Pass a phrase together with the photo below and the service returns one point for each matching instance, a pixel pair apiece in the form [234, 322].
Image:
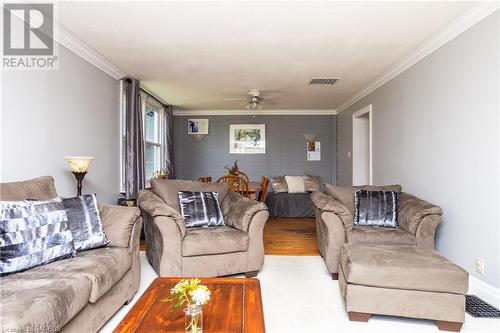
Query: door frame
[366, 110]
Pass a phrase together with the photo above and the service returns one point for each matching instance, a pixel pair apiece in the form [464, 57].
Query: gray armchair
[174, 250]
[417, 219]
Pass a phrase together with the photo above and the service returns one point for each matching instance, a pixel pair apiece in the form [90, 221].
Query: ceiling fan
[254, 100]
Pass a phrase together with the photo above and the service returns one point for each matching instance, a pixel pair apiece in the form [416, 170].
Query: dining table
[253, 190]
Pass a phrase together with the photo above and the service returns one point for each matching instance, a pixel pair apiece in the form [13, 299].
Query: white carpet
[299, 296]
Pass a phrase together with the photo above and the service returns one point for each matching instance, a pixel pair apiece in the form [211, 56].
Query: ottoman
[404, 281]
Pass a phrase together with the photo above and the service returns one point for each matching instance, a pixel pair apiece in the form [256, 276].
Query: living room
[319, 165]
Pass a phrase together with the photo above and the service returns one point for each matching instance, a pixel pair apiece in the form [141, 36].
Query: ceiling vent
[329, 81]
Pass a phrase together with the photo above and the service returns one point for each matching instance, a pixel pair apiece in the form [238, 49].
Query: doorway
[362, 154]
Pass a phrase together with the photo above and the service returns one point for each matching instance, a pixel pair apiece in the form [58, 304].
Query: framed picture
[197, 126]
[247, 139]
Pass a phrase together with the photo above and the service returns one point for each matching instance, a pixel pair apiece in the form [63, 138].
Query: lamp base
[79, 178]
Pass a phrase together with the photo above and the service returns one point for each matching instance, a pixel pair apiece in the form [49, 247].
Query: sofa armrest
[426, 231]
[412, 211]
[155, 206]
[326, 203]
[241, 210]
[118, 222]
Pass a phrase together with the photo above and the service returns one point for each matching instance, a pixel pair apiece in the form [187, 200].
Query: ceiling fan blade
[235, 99]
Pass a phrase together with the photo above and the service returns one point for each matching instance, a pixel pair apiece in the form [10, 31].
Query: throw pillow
[33, 233]
[376, 208]
[312, 183]
[278, 184]
[295, 184]
[85, 222]
[200, 209]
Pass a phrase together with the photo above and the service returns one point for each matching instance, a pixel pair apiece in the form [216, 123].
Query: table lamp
[79, 165]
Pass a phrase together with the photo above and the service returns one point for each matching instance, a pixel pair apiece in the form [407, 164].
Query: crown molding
[459, 25]
[75, 45]
[245, 112]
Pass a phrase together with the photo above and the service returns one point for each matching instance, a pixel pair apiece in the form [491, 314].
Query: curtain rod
[155, 97]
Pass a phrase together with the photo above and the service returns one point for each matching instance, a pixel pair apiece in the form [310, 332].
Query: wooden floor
[288, 237]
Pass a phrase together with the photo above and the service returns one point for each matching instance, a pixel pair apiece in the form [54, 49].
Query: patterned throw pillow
[296, 184]
[85, 222]
[279, 184]
[33, 233]
[376, 208]
[200, 209]
[312, 183]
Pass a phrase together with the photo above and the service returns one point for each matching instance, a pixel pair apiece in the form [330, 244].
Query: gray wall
[47, 115]
[436, 132]
[285, 147]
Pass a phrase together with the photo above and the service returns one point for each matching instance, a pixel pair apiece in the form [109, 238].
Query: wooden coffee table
[235, 307]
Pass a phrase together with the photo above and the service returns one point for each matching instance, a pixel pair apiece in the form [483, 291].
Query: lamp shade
[79, 163]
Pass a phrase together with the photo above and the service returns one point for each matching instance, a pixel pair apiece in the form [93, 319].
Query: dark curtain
[134, 165]
[168, 140]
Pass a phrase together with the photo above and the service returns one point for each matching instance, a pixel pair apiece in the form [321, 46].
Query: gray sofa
[418, 221]
[174, 250]
[78, 294]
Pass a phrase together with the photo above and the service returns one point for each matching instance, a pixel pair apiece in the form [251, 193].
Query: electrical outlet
[480, 265]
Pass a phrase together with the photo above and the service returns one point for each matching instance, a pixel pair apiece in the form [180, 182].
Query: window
[152, 113]
[152, 139]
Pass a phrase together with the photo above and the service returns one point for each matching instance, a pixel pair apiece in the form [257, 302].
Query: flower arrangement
[195, 295]
[232, 170]
[162, 173]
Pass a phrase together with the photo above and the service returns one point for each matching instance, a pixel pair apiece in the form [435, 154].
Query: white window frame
[158, 109]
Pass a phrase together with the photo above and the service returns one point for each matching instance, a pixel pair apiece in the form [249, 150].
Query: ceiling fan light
[253, 105]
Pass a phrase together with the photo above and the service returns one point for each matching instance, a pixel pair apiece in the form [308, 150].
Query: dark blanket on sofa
[289, 205]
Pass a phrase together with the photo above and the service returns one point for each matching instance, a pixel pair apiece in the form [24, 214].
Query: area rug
[299, 296]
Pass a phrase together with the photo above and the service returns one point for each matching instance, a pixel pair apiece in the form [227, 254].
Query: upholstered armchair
[174, 250]
[417, 219]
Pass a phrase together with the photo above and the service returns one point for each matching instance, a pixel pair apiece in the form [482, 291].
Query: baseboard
[484, 291]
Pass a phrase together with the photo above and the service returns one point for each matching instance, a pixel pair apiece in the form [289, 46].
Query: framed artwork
[314, 151]
[197, 126]
[247, 139]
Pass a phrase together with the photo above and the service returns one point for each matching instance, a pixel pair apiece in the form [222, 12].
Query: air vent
[330, 81]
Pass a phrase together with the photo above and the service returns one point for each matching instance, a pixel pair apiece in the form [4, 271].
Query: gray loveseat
[174, 250]
[417, 219]
[78, 294]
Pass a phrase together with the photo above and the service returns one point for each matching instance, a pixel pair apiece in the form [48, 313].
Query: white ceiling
[195, 54]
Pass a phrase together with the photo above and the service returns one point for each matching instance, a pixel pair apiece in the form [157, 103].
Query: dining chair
[243, 175]
[207, 179]
[264, 182]
[236, 184]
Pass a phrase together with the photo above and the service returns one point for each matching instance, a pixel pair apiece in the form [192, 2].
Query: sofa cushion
[205, 241]
[34, 299]
[401, 267]
[41, 188]
[345, 194]
[374, 235]
[103, 267]
[168, 190]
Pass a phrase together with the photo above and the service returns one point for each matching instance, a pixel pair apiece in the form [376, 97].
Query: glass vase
[193, 315]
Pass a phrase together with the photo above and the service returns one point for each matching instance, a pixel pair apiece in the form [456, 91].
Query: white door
[362, 146]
